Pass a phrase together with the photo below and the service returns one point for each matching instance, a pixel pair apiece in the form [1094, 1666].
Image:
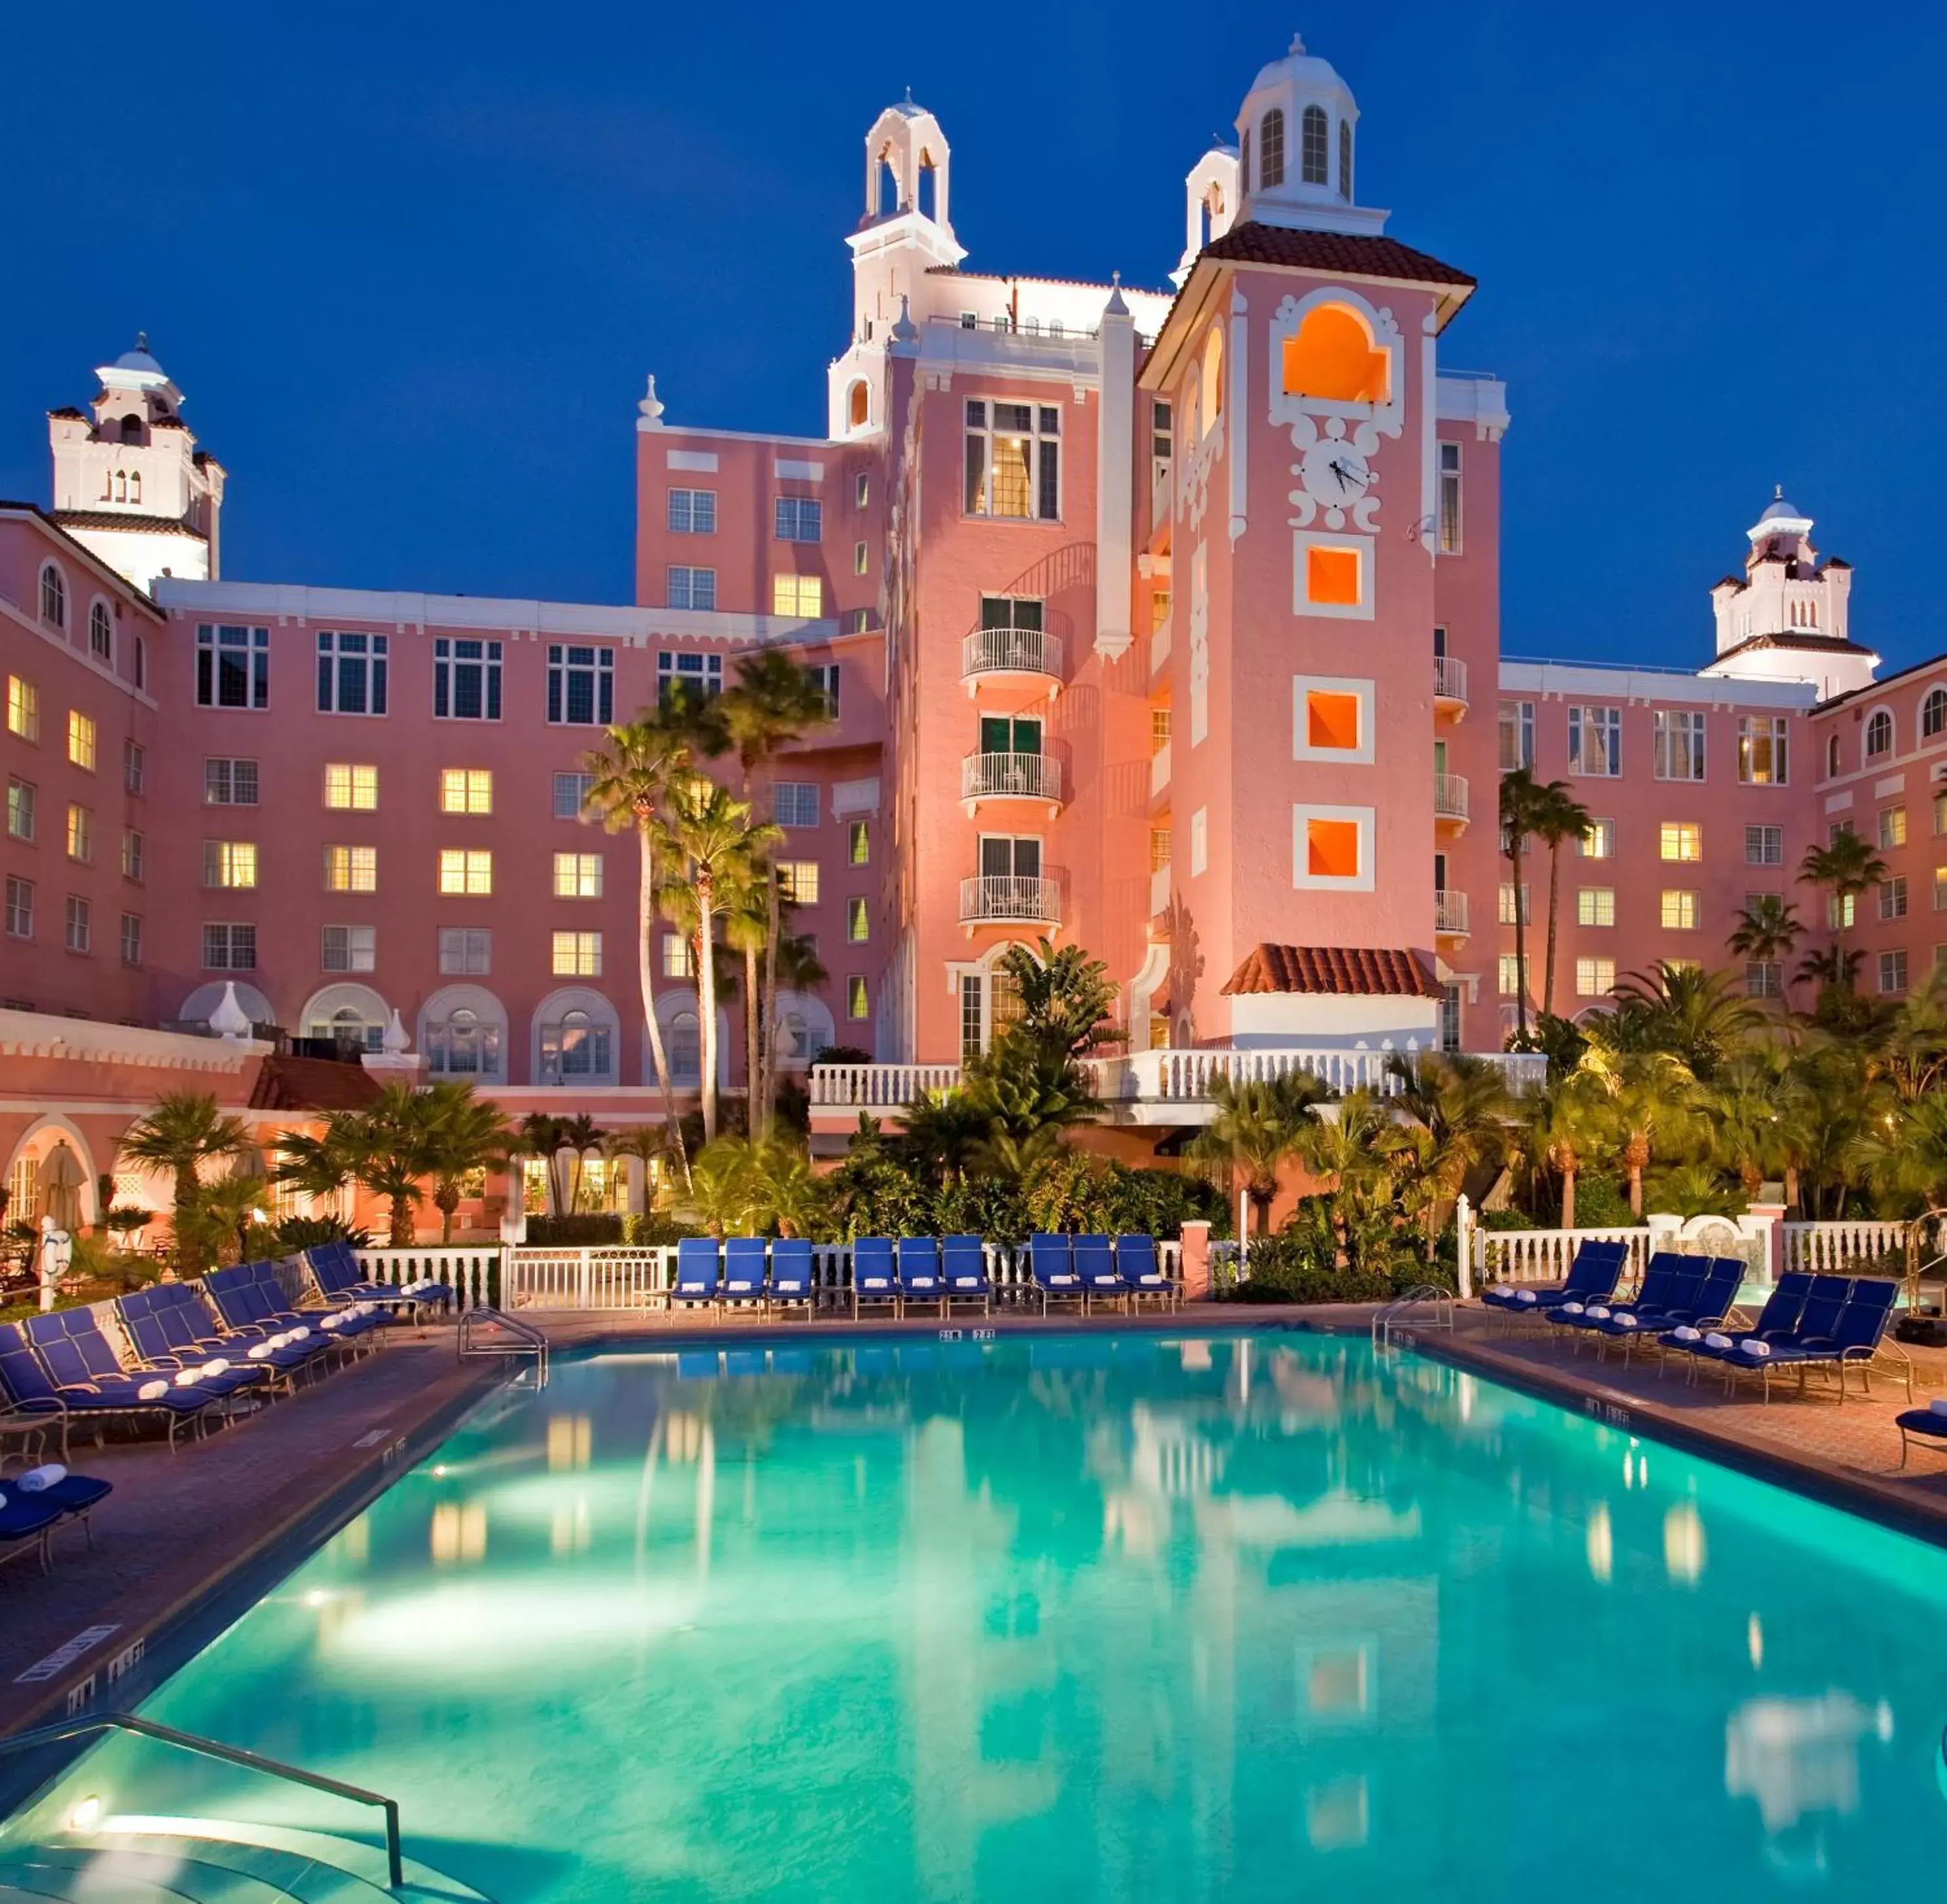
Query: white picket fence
[1539, 1256]
[473, 1273]
[1832, 1249]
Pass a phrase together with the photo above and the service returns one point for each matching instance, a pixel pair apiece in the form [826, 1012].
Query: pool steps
[159, 1860]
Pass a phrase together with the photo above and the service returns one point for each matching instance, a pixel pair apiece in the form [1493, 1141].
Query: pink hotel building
[1163, 622]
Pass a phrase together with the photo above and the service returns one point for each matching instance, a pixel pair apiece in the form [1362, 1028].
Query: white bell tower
[1297, 140]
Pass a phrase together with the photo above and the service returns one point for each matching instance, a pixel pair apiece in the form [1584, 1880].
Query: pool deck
[187, 1540]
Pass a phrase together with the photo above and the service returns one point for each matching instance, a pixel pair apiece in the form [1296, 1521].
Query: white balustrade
[472, 1272]
[1010, 651]
[868, 1087]
[1160, 768]
[1450, 912]
[625, 1277]
[1450, 796]
[1839, 1249]
[1449, 678]
[1159, 890]
[1543, 1256]
[1010, 776]
[1010, 896]
[1191, 1074]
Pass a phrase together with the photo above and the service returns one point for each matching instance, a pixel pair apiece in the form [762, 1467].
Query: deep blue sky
[411, 263]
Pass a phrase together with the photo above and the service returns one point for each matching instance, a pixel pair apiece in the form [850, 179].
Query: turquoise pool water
[1095, 1618]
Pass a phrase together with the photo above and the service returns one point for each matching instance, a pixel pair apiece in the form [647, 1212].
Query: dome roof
[139, 359]
[1307, 69]
[1779, 509]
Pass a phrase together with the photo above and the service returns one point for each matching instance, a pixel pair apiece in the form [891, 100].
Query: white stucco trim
[1364, 817]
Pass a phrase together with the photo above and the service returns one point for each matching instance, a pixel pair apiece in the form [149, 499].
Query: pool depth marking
[86, 1641]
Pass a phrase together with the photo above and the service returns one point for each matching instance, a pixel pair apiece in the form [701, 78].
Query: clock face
[1335, 474]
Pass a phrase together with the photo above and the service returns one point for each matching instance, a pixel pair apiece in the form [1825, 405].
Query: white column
[1463, 1247]
[1115, 479]
[1238, 443]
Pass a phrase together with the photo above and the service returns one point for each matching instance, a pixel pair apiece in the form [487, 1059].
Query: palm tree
[1562, 1133]
[1691, 1013]
[633, 774]
[224, 1213]
[1846, 867]
[396, 1151]
[1831, 965]
[1462, 1105]
[1257, 1127]
[944, 1130]
[1029, 1095]
[712, 838]
[1559, 817]
[184, 1131]
[1768, 929]
[1758, 1111]
[795, 1199]
[746, 931]
[1646, 1099]
[724, 1191]
[1065, 997]
[773, 702]
[466, 1132]
[649, 1144]
[1521, 806]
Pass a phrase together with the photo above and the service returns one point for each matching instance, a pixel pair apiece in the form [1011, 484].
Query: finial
[904, 331]
[1778, 492]
[1297, 43]
[651, 408]
[230, 1021]
[395, 1039]
[1115, 307]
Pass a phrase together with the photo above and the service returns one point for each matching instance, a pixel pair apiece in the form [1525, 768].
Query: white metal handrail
[1010, 897]
[1449, 796]
[1449, 912]
[1000, 775]
[1390, 1313]
[1450, 678]
[1010, 651]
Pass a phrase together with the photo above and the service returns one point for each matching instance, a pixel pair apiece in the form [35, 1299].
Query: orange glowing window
[1332, 848]
[860, 406]
[1332, 577]
[1332, 357]
[1331, 720]
[1210, 394]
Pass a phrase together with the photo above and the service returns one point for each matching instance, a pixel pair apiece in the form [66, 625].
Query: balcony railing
[1449, 678]
[870, 1085]
[1450, 796]
[1010, 651]
[1449, 913]
[1160, 768]
[1159, 890]
[1010, 777]
[1011, 897]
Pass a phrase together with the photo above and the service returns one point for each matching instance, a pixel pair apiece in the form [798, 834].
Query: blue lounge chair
[251, 1300]
[793, 1279]
[334, 1268]
[145, 1330]
[33, 1382]
[746, 1271]
[71, 1497]
[1715, 1296]
[78, 1331]
[874, 1277]
[1051, 1270]
[1854, 1342]
[1929, 1424]
[919, 1279]
[27, 1523]
[1665, 1275]
[699, 1271]
[1817, 1327]
[1142, 1275]
[1094, 1260]
[187, 1326]
[963, 1265]
[1592, 1277]
[1776, 1321]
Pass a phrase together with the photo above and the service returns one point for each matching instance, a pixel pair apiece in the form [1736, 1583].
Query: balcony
[1450, 801]
[1009, 899]
[1160, 768]
[1450, 915]
[1010, 777]
[1159, 890]
[1011, 654]
[1450, 685]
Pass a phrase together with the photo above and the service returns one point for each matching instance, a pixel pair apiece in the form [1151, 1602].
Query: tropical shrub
[1300, 1264]
[296, 1233]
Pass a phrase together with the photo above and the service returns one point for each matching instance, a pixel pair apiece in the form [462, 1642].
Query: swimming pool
[1172, 1617]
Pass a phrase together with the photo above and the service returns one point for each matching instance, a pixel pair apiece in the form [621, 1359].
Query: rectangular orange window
[1332, 577]
[1332, 848]
[1331, 720]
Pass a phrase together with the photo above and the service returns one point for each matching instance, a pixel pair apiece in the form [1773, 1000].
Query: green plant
[296, 1233]
[1299, 1264]
[580, 1229]
[1601, 1202]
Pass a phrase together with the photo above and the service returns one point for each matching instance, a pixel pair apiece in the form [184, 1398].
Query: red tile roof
[1809, 643]
[288, 1083]
[1351, 970]
[115, 519]
[1345, 254]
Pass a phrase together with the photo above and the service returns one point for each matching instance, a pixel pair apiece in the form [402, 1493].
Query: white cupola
[1296, 143]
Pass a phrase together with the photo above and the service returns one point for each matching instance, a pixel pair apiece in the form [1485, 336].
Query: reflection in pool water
[1100, 1617]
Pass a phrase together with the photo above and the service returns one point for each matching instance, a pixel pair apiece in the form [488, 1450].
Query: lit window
[1763, 750]
[581, 685]
[465, 872]
[229, 862]
[1595, 978]
[230, 948]
[577, 955]
[134, 767]
[798, 519]
[1893, 827]
[858, 922]
[1595, 906]
[1893, 970]
[1841, 910]
[352, 671]
[1513, 975]
[797, 881]
[859, 847]
[351, 788]
[801, 597]
[233, 667]
[1013, 461]
[1764, 845]
[1517, 735]
[351, 869]
[855, 1003]
[1159, 730]
[1505, 909]
[578, 875]
[1334, 576]
[465, 789]
[1596, 742]
[348, 948]
[1679, 912]
[862, 558]
[22, 809]
[795, 804]
[1677, 735]
[230, 783]
[692, 512]
[1893, 897]
[678, 956]
[80, 936]
[690, 587]
[696, 678]
[861, 489]
[1879, 735]
[1449, 499]
[80, 833]
[1599, 840]
[23, 708]
[134, 855]
[131, 939]
[101, 633]
[465, 951]
[81, 739]
[54, 596]
[465, 680]
[1680, 839]
[570, 794]
[1332, 848]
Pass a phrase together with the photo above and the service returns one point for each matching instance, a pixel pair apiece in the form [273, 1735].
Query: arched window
[684, 1042]
[352, 1017]
[929, 187]
[141, 662]
[1933, 713]
[1210, 386]
[1879, 735]
[576, 1037]
[131, 428]
[1330, 355]
[462, 1031]
[1345, 160]
[889, 184]
[101, 633]
[1831, 756]
[1271, 149]
[858, 405]
[135, 486]
[1314, 154]
[54, 596]
[121, 486]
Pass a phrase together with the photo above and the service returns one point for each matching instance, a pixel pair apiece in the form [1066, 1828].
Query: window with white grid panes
[351, 788]
[683, 673]
[233, 667]
[1893, 827]
[465, 872]
[79, 936]
[856, 1005]
[684, 587]
[1677, 911]
[1598, 839]
[465, 951]
[1764, 979]
[465, 789]
[794, 804]
[230, 782]
[859, 843]
[348, 948]
[797, 881]
[1517, 735]
[351, 869]
[1764, 845]
[1595, 978]
[1763, 750]
[22, 809]
[1893, 970]
[797, 519]
[230, 947]
[797, 598]
[134, 854]
[577, 955]
[570, 794]
[1680, 839]
[1893, 897]
[1596, 742]
[692, 512]
[578, 875]
[1677, 744]
[857, 921]
[1013, 461]
[580, 685]
[81, 740]
[466, 679]
[81, 833]
[230, 862]
[134, 767]
[352, 673]
[131, 939]
[1595, 906]
[678, 956]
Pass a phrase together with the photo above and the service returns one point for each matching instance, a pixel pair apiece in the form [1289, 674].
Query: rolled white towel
[1524, 1295]
[1752, 1345]
[1714, 1341]
[1939, 1405]
[152, 1391]
[38, 1480]
[1684, 1332]
[1626, 1320]
[298, 1334]
[276, 1342]
[216, 1365]
[973, 1282]
[362, 1308]
[1597, 1312]
[188, 1377]
[258, 1351]
[331, 1325]
[1569, 1309]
